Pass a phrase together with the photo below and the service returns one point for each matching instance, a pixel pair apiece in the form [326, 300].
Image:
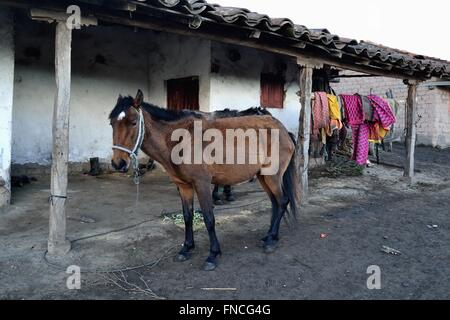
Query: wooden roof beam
[52, 16]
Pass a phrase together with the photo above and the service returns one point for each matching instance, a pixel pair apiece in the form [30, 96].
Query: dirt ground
[340, 233]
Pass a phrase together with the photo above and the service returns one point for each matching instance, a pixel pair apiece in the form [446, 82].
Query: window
[183, 93]
[272, 90]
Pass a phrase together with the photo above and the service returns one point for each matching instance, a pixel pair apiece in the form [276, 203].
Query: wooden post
[6, 101]
[411, 108]
[57, 242]
[304, 130]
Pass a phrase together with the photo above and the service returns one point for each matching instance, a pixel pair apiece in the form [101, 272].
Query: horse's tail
[291, 183]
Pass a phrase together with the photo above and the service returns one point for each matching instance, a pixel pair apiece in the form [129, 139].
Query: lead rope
[134, 154]
[134, 158]
[136, 177]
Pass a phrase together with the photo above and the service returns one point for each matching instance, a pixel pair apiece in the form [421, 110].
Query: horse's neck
[155, 142]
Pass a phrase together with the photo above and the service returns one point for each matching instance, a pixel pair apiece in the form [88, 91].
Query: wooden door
[272, 90]
[183, 94]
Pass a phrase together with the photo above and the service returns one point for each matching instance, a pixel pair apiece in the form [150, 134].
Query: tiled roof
[424, 66]
[312, 41]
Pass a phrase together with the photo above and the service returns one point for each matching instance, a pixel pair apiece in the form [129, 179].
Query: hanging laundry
[360, 131]
[361, 143]
[321, 115]
[341, 106]
[383, 117]
[395, 107]
[376, 134]
[367, 107]
[382, 112]
[335, 113]
[370, 118]
[354, 113]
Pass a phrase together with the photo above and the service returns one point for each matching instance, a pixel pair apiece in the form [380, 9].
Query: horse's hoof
[268, 249]
[231, 198]
[182, 257]
[209, 266]
[219, 202]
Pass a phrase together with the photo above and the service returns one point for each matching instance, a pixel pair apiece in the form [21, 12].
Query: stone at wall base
[408, 180]
[33, 169]
[5, 197]
[316, 162]
[59, 249]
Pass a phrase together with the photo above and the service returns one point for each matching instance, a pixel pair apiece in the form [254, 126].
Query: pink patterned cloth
[320, 112]
[355, 117]
[354, 112]
[361, 143]
[382, 112]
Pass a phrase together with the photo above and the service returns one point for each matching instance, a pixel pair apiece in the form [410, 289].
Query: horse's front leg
[187, 201]
[203, 190]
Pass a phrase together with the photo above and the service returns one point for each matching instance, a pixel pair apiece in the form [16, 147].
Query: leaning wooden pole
[304, 131]
[411, 119]
[57, 242]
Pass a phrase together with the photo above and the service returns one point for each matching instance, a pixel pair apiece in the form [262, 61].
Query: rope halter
[135, 151]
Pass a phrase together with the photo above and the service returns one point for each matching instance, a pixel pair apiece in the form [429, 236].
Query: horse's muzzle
[122, 166]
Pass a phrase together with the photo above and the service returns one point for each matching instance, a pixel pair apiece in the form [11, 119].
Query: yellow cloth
[383, 132]
[335, 114]
[335, 110]
[377, 133]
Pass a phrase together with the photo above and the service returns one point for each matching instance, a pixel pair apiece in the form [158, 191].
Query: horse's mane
[168, 115]
[156, 112]
[159, 113]
[228, 113]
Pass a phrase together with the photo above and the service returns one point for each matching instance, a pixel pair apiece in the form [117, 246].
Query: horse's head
[126, 124]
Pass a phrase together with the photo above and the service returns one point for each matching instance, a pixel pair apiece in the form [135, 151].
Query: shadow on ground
[340, 233]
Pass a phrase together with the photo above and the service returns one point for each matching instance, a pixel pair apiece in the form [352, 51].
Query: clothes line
[370, 119]
[399, 101]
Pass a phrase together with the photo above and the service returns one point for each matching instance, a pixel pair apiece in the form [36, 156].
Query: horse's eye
[134, 123]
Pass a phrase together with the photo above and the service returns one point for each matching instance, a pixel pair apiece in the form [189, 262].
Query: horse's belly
[233, 174]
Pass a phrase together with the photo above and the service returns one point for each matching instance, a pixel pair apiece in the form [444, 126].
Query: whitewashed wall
[6, 101]
[106, 62]
[95, 88]
[172, 57]
[236, 85]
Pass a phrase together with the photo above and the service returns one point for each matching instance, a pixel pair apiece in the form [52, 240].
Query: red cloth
[320, 112]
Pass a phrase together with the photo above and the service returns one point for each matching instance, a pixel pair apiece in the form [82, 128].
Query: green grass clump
[178, 219]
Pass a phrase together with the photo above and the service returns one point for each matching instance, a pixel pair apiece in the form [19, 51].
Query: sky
[418, 26]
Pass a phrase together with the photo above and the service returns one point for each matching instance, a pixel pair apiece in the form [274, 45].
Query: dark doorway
[183, 94]
[272, 90]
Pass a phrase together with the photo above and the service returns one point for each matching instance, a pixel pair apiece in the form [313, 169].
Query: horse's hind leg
[272, 199]
[229, 194]
[206, 203]
[279, 206]
[187, 200]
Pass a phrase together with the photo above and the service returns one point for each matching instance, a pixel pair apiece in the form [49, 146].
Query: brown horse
[139, 125]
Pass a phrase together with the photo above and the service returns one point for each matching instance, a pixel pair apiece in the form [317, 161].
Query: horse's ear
[119, 98]
[139, 99]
